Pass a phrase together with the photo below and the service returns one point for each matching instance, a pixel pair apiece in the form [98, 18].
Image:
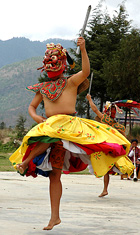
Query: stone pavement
[25, 206]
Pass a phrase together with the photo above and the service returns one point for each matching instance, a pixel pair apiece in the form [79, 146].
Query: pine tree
[20, 127]
[104, 38]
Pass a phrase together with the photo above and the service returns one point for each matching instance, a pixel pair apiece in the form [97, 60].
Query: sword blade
[90, 83]
[84, 26]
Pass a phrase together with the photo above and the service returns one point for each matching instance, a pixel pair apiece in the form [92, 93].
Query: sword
[90, 83]
[84, 27]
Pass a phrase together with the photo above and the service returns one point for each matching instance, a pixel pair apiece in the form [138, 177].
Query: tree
[122, 71]
[20, 126]
[104, 37]
[2, 125]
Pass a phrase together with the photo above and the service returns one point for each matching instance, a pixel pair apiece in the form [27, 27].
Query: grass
[5, 164]
[7, 133]
[85, 172]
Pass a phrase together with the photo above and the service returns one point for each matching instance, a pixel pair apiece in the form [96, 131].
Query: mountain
[14, 98]
[14, 77]
[17, 49]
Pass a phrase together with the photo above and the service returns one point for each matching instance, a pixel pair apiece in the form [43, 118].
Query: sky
[39, 20]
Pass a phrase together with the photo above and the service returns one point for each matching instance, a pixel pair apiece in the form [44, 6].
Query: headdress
[110, 109]
[55, 60]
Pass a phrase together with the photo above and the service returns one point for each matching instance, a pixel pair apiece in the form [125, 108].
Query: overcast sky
[43, 19]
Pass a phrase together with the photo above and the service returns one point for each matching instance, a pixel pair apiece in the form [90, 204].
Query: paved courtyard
[25, 206]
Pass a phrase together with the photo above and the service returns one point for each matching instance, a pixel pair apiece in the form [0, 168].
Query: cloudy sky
[43, 19]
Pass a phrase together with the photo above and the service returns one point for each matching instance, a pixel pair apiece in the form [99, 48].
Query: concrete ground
[25, 206]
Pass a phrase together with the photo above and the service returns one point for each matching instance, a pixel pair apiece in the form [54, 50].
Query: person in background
[107, 117]
[134, 147]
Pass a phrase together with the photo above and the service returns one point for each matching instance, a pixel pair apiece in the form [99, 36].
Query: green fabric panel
[43, 139]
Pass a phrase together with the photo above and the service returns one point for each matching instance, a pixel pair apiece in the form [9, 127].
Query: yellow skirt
[84, 132]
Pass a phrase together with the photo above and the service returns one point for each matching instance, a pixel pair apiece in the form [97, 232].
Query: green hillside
[18, 49]
[14, 97]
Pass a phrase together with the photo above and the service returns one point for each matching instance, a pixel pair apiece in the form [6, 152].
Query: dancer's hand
[93, 106]
[81, 43]
[39, 119]
[88, 97]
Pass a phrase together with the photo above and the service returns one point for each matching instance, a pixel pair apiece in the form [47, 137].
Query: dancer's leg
[55, 196]
[106, 183]
[38, 149]
[128, 177]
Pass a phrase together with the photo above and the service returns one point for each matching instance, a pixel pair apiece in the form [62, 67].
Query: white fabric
[115, 169]
[46, 165]
[75, 151]
[66, 164]
[90, 168]
[72, 147]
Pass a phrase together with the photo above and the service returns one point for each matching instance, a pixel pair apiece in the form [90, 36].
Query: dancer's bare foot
[21, 168]
[52, 224]
[103, 194]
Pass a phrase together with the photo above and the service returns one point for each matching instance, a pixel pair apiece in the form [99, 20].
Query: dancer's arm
[33, 106]
[79, 77]
[94, 107]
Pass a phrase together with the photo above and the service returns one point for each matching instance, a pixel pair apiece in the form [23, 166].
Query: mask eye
[54, 57]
